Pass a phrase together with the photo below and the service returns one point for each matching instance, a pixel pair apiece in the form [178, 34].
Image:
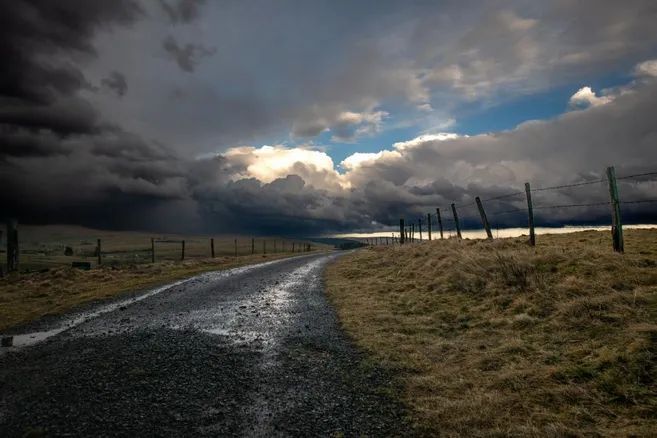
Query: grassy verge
[497, 338]
[26, 297]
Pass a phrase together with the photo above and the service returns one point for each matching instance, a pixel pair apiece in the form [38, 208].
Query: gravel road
[253, 351]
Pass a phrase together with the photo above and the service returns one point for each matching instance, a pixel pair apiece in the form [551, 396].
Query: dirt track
[253, 351]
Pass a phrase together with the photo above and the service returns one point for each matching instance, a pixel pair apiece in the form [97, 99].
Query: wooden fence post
[616, 222]
[212, 247]
[429, 225]
[530, 215]
[413, 233]
[182, 251]
[152, 250]
[252, 246]
[401, 231]
[292, 247]
[484, 219]
[456, 221]
[235, 247]
[99, 249]
[264, 246]
[419, 227]
[440, 222]
[12, 245]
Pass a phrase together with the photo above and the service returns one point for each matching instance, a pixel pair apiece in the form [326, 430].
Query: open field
[498, 338]
[44, 246]
[126, 266]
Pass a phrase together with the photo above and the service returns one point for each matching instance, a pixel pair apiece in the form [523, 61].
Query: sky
[310, 117]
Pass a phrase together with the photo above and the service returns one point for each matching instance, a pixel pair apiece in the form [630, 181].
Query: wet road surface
[252, 351]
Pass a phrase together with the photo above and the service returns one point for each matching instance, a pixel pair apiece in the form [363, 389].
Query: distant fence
[449, 220]
[122, 250]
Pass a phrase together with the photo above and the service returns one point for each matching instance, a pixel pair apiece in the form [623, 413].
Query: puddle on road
[28, 339]
[261, 320]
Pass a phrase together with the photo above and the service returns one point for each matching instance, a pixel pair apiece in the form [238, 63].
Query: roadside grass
[45, 246]
[501, 339]
[27, 297]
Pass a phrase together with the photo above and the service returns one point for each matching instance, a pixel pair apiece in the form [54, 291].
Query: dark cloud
[33, 33]
[116, 82]
[182, 11]
[186, 56]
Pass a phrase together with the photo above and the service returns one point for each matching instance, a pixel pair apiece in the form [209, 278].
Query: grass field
[53, 287]
[501, 339]
[45, 246]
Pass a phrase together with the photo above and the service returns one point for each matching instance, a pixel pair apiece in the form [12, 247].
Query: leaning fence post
[401, 231]
[182, 251]
[429, 225]
[12, 245]
[212, 246]
[616, 223]
[99, 249]
[484, 219]
[456, 221]
[530, 214]
[152, 250]
[440, 222]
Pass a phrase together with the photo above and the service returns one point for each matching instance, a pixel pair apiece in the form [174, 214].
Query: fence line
[40, 254]
[453, 224]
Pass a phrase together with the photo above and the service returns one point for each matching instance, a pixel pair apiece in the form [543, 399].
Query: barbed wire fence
[447, 221]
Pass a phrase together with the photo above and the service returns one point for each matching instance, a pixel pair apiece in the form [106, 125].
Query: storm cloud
[224, 116]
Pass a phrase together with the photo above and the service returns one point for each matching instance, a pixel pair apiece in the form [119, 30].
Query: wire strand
[500, 213]
[644, 201]
[636, 175]
[508, 195]
[593, 204]
[585, 183]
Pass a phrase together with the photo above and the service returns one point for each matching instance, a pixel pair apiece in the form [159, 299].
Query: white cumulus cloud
[585, 97]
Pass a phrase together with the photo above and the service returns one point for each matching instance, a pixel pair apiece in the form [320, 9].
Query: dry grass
[43, 246]
[500, 339]
[26, 297]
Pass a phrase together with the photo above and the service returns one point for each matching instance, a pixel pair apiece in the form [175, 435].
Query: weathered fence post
[616, 222]
[484, 219]
[212, 247]
[12, 245]
[252, 246]
[182, 251]
[530, 215]
[152, 250]
[440, 222]
[413, 233]
[419, 227]
[401, 231]
[235, 247]
[429, 225]
[456, 221]
[99, 249]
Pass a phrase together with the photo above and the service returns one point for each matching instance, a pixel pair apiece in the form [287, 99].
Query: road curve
[253, 351]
